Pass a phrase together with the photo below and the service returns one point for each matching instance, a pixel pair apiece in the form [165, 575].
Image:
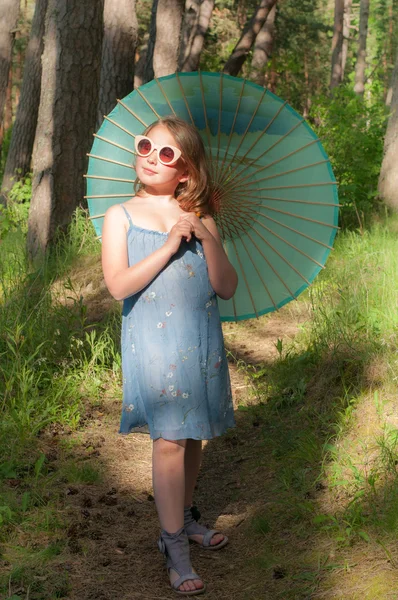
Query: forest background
[320, 413]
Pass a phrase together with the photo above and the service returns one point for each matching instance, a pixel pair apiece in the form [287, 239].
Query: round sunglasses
[167, 155]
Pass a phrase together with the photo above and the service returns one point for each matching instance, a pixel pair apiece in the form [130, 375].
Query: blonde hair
[193, 195]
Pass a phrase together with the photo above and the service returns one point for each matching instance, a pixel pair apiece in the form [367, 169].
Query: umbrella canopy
[274, 192]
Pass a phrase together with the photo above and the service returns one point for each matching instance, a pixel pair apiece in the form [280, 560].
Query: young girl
[168, 264]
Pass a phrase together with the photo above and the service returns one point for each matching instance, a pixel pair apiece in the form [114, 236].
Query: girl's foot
[183, 579]
[209, 539]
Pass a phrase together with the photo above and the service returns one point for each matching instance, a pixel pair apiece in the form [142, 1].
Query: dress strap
[127, 214]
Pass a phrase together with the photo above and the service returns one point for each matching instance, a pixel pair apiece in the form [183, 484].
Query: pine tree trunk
[168, 31]
[249, 34]
[388, 181]
[191, 62]
[23, 133]
[360, 66]
[8, 23]
[346, 35]
[337, 44]
[67, 115]
[263, 48]
[118, 53]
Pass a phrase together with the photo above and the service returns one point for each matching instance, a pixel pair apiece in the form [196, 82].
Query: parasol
[274, 192]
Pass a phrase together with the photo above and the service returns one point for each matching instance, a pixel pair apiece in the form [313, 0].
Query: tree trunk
[23, 133]
[8, 23]
[337, 44]
[144, 66]
[263, 48]
[168, 31]
[346, 35]
[388, 181]
[360, 66]
[192, 58]
[249, 34]
[188, 28]
[118, 53]
[67, 115]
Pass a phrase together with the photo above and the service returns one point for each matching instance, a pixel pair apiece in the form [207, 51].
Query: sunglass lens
[166, 154]
[144, 147]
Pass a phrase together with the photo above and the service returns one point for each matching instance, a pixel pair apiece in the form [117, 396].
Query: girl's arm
[121, 280]
[222, 274]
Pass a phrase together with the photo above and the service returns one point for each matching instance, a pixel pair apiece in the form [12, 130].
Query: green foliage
[15, 216]
[352, 131]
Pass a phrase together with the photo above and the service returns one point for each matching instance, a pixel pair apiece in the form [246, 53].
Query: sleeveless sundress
[176, 382]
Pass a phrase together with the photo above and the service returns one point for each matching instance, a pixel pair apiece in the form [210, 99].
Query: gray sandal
[175, 547]
[192, 527]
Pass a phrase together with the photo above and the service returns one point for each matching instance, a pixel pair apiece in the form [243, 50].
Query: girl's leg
[169, 489]
[193, 459]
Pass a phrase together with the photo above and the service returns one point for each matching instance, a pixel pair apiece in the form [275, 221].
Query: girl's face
[152, 173]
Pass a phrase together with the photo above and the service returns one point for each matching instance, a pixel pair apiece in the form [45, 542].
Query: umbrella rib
[206, 120]
[284, 212]
[281, 256]
[232, 126]
[294, 230]
[244, 277]
[219, 127]
[236, 175]
[270, 265]
[258, 273]
[185, 99]
[276, 115]
[108, 178]
[233, 297]
[109, 196]
[96, 217]
[295, 201]
[247, 128]
[164, 95]
[302, 168]
[132, 113]
[114, 162]
[299, 185]
[288, 243]
[119, 126]
[114, 144]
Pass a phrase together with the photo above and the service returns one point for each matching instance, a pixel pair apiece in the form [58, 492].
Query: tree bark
[67, 115]
[263, 48]
[168, 31]
[118, 53]
[249, 34]
[194, 50]
[188, 28]
[337, 44]
[8, 23]
[346, 35]
[388, 181]
[23, 133]
[360, 66]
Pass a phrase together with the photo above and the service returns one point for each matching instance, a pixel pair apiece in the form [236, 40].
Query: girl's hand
[182, 229]
[199, 230]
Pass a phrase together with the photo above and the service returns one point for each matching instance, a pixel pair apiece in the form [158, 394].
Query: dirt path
[113, 525]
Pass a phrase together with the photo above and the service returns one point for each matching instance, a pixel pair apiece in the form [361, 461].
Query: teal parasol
[274, 192]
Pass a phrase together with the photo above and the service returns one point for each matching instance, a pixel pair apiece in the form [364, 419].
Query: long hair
[193, 195]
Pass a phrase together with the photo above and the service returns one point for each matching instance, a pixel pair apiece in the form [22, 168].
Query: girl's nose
[153, 157]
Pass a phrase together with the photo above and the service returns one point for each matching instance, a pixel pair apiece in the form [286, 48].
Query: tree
[249, 34]
[337, 44]
[8, 24]
[23, 133]
[196, 23]
[263, 48]
[67, 114]
[118, 53]
[346, 35]
[168, 31]
[360, 66]
[388, 181]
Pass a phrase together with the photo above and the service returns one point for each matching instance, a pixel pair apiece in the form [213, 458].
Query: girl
[167, 264]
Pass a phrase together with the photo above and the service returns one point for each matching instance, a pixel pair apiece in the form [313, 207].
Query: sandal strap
[175, 546]
[208, 537]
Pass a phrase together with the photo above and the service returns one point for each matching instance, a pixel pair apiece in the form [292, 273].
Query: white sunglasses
[167, 155]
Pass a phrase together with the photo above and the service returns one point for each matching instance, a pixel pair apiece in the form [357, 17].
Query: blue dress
[175, 372]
